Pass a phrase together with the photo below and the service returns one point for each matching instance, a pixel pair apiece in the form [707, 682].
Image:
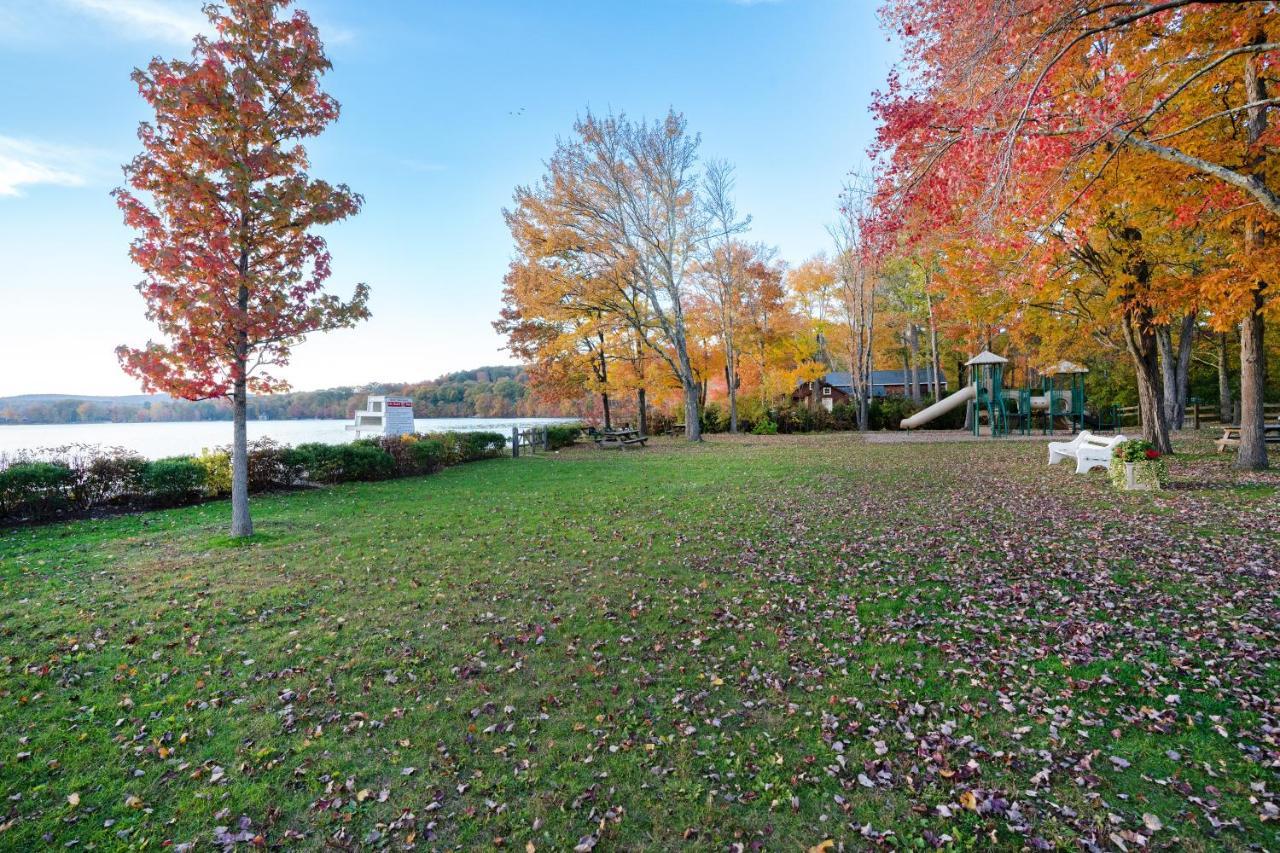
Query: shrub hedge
[56, 482]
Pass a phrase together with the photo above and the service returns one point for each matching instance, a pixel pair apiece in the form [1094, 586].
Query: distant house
[837, 386]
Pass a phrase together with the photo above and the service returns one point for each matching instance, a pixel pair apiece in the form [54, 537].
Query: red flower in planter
[1152, 453]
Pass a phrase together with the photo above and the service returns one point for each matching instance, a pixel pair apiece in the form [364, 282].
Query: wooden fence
[1198, 415]
[531, 440]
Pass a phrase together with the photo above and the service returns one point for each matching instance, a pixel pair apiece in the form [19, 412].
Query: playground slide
[941, 407]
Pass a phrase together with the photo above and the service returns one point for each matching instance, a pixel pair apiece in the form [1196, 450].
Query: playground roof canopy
[986, 357]
[1064, 367]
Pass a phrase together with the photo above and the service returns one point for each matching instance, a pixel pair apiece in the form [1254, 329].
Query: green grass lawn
[764, 642]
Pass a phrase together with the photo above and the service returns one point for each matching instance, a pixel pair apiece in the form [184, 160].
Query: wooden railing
[532, 440]
[1198, 415]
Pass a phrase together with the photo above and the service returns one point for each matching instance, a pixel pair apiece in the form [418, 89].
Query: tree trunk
[1186, 340]
[1168, 374]
[731, 378]
[935, 363]
[692, 419]
[1253, 449]
[1226, 407]
[1140, 337]
[241, 522]
[913, 344]
[644, 412]
[604, 402]
[1175, 364]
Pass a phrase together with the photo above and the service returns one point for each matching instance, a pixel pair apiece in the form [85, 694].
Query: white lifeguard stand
[384, 415]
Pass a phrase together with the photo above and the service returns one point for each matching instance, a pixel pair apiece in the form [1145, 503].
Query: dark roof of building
[842, 379]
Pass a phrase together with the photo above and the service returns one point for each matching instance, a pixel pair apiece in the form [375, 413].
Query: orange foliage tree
[1013, 136]
[234, 276]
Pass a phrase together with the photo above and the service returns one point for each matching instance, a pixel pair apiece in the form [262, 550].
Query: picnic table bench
[1231, 437]
[621, 438]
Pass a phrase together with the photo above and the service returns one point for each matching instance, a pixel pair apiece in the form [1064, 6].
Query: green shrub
[765, 427]
[216, 465]
[714, 419]
[173, 481]
[115, 474]
[482, 445]
[563, 436]
[428, 455]
[889, 412]
[342, 463]
[36, 489]
[362, 462]
[269, 466]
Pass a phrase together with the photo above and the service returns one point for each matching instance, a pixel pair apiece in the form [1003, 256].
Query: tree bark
[1252, 455]
[1226, 407]
[934, 361]
[1174, 366]
[1186, 340]
[1140, 340]
[913, 346]
[644, 411]
[241, 522]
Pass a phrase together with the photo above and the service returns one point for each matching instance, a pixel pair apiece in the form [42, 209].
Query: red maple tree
[234, 278]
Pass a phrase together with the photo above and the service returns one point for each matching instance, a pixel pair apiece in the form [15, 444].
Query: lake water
[156, 440]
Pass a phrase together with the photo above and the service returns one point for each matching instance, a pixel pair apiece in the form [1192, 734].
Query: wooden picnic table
[1231, 436]
[621, 438]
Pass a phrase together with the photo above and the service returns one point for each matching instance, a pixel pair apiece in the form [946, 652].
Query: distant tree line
[488, 392]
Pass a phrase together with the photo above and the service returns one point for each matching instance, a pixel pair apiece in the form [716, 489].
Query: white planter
[1131, 482]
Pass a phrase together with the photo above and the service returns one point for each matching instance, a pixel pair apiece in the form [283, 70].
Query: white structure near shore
[384, 415]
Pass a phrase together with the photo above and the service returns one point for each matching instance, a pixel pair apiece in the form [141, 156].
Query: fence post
[515, 442]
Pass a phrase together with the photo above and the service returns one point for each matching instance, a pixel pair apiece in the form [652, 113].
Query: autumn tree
[856, 288]
[225, 207]
[1028, 122]
[619, 209]
[722, 270]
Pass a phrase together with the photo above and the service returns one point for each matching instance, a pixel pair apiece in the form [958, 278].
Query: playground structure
[996, 410]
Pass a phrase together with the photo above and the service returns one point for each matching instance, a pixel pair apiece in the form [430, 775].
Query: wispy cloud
[171, 20]
[26, 163]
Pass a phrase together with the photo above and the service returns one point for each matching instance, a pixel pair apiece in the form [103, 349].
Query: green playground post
[986, 373]
[1073, 406]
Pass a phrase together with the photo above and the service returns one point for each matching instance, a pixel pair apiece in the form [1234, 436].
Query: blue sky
[447, 106]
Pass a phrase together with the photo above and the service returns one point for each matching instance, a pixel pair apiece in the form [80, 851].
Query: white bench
[1088, 450]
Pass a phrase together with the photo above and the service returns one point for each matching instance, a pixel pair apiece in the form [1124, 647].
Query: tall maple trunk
[935, 363]
[241, 522]
[1140, 339]
[689, 384]
[1226, 406]
[1252, 455]
[1185, 342]
[602, 373]
[1175, 364]
[643, 411]
[913, 342]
